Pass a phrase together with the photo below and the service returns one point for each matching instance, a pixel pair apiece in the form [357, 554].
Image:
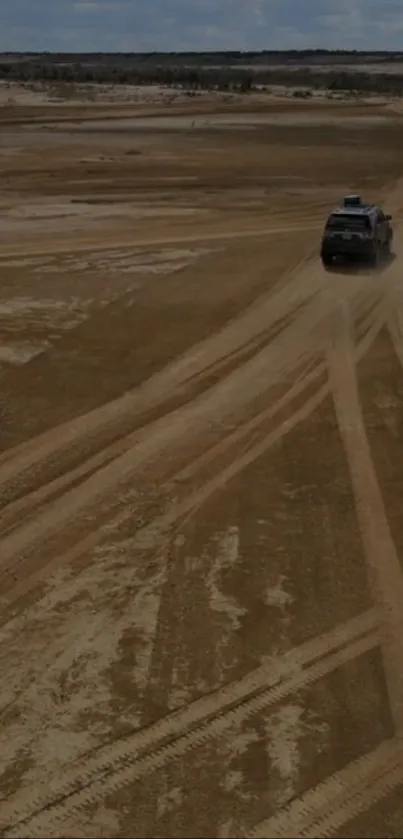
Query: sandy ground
[39, 94]
[201, 541]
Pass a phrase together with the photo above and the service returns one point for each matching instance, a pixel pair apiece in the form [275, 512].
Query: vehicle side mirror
[388, 217]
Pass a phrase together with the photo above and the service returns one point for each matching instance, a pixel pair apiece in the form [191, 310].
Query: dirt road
[200, 537]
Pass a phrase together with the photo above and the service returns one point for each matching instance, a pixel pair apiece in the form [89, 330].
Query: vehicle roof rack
[352, 201]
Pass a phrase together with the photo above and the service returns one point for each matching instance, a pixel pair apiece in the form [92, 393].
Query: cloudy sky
[134, 25]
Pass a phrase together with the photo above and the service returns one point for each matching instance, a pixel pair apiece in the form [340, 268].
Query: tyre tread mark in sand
[36, 496]
[366, 781]
[89, 243]
[395, 329]
[12, 512]
[185, 508]
[119, 472]
[195, 500]
[126, 774]
[323, 810]
[147, 751]
[37, 454]
[384, 569]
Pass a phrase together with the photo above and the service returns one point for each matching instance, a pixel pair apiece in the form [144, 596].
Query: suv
[356, 231]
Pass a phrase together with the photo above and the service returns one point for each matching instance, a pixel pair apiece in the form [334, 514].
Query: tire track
[222, 403]
[118, 765]
[104, 425]
[186, 426]
[395, 329]
[13, 510]
[94, 243]
[322, 811]
[87, 434]
[372, 330]
[193, 501]
[384, 569]
[357, 645]
[34, 499]
[253, 452]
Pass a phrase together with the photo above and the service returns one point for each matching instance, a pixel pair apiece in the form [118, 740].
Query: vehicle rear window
[347, 221]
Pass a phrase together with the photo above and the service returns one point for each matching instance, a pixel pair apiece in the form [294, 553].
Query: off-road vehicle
[356, 232]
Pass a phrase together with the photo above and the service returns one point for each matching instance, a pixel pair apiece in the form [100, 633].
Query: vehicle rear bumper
[350, 252]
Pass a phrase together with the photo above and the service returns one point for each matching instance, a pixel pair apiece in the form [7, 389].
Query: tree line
[229, 77]
[221, 57]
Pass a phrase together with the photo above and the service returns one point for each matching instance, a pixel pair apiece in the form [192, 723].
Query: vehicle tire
[327, 262]
[374, 258]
